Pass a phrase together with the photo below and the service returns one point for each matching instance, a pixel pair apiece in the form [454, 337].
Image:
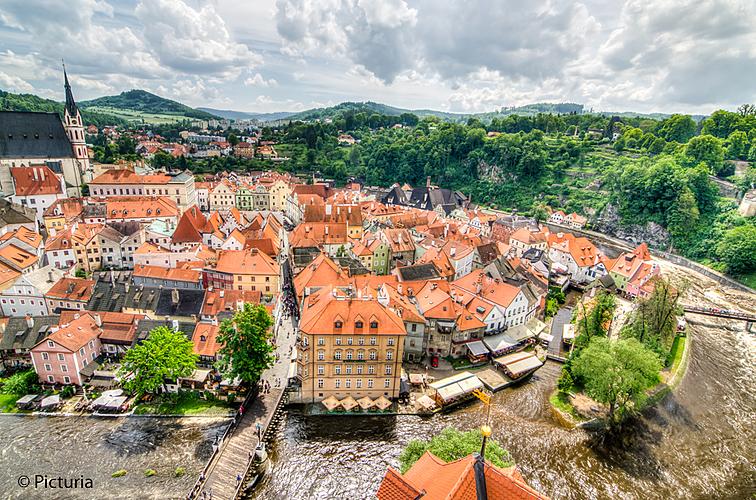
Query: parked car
[434, 361]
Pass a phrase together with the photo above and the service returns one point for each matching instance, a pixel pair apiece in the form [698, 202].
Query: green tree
[452, 445]
[654, 320]
[737, 249]
[246, 349]
[594, 320]
[21, 383]
[684, 216]
[737, 145]
[165, 355]
[617, 373]
[233, 139]
[707, 149]
[677, 128]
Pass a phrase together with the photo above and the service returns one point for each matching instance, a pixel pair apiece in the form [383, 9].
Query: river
[72, 447]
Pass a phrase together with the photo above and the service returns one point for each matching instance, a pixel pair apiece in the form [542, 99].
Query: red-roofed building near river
[60, 357]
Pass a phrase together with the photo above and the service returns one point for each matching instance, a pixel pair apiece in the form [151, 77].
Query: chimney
[29, 321]
[49, 277]
[328, 209]
[42, 173]
[222, 293]
[427, 182]
[98, 320]
[326, 230]
[399, 288]
[34, 173]
[452, 251]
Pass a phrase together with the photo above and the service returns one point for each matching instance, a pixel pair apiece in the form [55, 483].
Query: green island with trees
[623, 373]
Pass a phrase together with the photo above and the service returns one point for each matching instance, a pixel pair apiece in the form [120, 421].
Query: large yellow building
[351, 345]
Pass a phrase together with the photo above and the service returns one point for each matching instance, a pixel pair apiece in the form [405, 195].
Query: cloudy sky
[464, 56]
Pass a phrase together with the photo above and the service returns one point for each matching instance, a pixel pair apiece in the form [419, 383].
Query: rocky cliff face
[609, 222]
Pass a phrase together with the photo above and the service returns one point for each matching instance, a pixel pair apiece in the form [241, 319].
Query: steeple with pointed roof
[71, 107]
[74, 127]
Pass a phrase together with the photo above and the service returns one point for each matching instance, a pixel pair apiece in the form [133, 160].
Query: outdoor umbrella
[365, 403]
[382, 403]
[331, 403]
[348, 403]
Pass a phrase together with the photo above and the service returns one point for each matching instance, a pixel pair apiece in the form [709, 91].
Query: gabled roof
[432, 478]
[164, 273]
[75, 335]
[35, 180]
[205, 340]
[322, 271]
[217, 301]
[140, 207]
[323, 309]
[190, 226]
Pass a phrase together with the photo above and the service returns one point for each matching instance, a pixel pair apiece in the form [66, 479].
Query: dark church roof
[426, 198]
[419, 272]
[25, 134]
[70, 103]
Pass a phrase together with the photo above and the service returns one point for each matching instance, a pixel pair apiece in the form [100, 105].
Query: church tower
[75, 129]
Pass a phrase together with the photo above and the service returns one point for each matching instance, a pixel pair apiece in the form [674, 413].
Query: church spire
[70, 103]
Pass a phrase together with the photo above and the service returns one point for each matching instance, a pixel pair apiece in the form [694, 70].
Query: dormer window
[338, 324]
[373, 324]
[358, 324]
[203, 338]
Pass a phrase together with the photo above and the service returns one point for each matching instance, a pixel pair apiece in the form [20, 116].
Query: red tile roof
[71, 289]
[76, 334]
[31, 181]
[217, 301]
[432, 478]
[325, 308]
[175, 274]
[205, 340]
[246, 262]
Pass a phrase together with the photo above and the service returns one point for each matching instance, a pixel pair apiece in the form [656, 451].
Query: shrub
[119, 473]
[150, 472]
[21, 383]
[67, 391]
[180, 471]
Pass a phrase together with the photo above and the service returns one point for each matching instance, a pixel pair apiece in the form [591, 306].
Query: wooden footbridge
[720, 313]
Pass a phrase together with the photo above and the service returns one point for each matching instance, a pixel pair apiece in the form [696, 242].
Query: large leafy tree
[617, 373]
[653, 322]
[738, 249]
[678, 128]
[165, 355]
[451, 445]
[246, 349]
[707, 149]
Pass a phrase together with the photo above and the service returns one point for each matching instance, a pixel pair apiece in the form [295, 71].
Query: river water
[94, 448]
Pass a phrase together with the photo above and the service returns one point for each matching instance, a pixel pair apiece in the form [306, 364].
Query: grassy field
[186, 403]
[138, 116]
[678, 347]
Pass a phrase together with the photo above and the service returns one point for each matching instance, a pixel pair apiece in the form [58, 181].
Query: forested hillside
[31, 102]
[146, 102]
